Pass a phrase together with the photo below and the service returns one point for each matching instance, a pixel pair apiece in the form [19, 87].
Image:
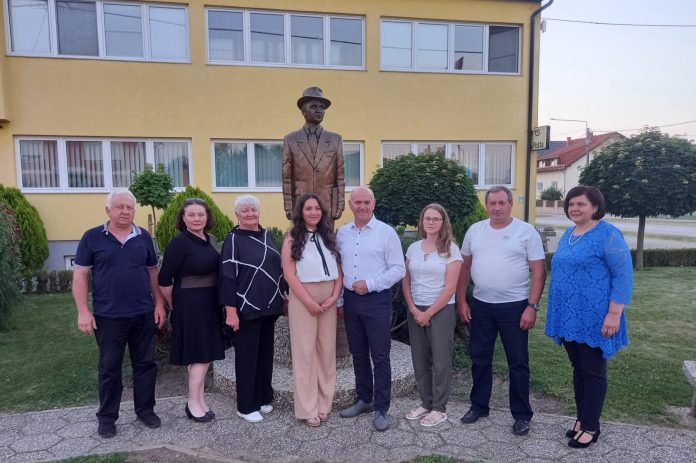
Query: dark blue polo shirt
[120, 275]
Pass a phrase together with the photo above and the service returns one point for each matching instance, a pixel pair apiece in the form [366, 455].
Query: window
[352, 154]
[74, 164]
[241, 165]
[88, 28]
[449, 47]
[554, 184]
[284, 39]
[486, 163]
[540, 186]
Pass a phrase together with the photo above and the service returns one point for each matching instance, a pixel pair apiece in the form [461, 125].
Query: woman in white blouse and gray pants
[432, 271]
[310, 265]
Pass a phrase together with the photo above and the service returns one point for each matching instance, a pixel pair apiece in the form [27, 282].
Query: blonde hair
[444, 240]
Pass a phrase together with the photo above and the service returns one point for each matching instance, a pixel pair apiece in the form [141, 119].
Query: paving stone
[279, 446]
[79, 429]
[545, 448]
[73, 447]
[463, 437]
[462, 453]
[7, 437]
[629, 456]
[35, 443]
[9, 422]
[40, 424]
[31, 457]
[356, 433]
[672, 454]
[302, 432]
[6, 453]
[499, 451]
[628, 439]
[393, 438]
[430, 441]
[673, 438]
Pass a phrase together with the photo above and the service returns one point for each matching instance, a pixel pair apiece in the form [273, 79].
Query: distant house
[560, 168]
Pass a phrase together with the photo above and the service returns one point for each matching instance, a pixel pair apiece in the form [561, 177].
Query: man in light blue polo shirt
[123, 262]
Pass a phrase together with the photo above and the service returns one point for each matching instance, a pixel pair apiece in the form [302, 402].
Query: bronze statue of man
[313, 158]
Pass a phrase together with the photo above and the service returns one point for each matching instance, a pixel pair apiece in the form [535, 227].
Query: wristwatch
[533, 306]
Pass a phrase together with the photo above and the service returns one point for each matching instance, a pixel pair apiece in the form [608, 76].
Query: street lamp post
[587, 141]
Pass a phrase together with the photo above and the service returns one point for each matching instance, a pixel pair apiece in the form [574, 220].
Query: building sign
[540, 137]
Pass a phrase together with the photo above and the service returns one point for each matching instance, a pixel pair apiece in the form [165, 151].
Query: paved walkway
[64, 433]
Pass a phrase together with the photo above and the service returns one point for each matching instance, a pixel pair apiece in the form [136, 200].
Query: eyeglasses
[188, 201]
[432, 219]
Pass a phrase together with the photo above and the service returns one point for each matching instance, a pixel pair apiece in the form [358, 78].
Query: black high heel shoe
[576, 444]
[198, 419]
[572, 431]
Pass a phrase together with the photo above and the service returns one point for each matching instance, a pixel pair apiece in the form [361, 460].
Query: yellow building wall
[102, 98]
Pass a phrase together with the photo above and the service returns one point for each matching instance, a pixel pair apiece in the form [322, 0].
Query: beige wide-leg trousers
[313, 346]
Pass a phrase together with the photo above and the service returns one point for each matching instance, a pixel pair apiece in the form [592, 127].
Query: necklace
[573, 239]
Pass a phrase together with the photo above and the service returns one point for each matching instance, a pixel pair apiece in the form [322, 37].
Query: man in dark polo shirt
[123, 262]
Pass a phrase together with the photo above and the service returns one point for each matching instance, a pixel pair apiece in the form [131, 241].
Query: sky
[617, 77]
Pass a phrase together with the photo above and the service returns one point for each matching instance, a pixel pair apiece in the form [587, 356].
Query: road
[658, 232]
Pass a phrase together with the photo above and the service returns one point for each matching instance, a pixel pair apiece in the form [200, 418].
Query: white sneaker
[253, 417]
[266, 408]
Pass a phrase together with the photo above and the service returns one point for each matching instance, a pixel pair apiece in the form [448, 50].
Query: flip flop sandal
[433, 418]
[417, 413]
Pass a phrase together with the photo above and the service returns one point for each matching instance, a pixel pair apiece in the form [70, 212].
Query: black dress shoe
[150, 419]
[472, 416]
[521, 427]
[207, 418]
[107, 430]
[576, 444]
[211, 413]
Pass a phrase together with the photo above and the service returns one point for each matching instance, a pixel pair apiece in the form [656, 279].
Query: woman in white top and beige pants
[310, 266]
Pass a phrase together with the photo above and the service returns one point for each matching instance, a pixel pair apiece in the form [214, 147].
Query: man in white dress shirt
[499, 253]
[372, 261]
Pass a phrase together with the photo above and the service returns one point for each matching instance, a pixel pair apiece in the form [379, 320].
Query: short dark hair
[181, 226]
[595, 197]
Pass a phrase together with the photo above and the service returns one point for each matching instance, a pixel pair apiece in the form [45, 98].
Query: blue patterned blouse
[585, 276]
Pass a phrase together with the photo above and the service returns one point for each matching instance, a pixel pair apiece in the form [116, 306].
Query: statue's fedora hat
[313, 93]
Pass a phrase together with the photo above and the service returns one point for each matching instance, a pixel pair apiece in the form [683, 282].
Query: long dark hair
[298, 232]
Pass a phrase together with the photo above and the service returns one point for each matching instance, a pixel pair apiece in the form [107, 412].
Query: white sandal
[433, 418]
[417, 413]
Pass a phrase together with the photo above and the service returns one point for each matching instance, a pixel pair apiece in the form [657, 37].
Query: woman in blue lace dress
[591, 283]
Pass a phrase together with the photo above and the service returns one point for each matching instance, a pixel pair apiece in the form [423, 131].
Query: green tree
[154, 188]
[403, 186]
[166, 229]
[551, 194]
[33, 243]
[9, 265]
[460, 227]
[644, 176]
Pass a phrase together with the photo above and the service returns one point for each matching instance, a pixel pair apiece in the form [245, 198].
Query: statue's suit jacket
[321, 173]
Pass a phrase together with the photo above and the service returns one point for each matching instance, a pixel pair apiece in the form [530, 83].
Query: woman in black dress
[188, 281]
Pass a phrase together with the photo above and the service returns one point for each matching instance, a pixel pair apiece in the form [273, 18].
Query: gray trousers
[431, 350]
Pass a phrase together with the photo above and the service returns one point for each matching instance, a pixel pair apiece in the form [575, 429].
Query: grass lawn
[109, 458]
[646, 377]
[45, 361]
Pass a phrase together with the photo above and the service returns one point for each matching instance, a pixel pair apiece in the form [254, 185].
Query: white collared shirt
[372, 254]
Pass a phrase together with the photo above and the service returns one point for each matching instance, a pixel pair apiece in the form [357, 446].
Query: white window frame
[450, 47]
[106, 159]
[287, 39]
[101, 33]
[251, 167]
[361, 146]
[449, 155]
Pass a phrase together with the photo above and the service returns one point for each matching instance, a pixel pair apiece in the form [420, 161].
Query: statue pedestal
[403, 382]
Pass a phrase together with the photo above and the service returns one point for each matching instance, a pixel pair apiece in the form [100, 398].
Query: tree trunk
[639, 243]
[154, 220]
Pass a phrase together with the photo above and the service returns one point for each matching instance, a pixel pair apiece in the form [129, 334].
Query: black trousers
[589, 382]
[253, 363]
[112, 336]
[487, 321]
[368, 330]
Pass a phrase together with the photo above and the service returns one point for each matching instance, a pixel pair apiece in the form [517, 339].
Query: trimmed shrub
[33, 243]
[657, 257]
[459, 228]
[57, 281]
[9, 266]
[551, 194]
[278, 236]
[154, 188]
[403, 186]
[166, 229]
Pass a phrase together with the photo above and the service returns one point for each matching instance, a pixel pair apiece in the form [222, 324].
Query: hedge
[9, 265]
[657, 257]
[33, 243]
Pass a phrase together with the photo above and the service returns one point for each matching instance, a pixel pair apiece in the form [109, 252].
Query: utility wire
[647, 125]
[602, 23]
